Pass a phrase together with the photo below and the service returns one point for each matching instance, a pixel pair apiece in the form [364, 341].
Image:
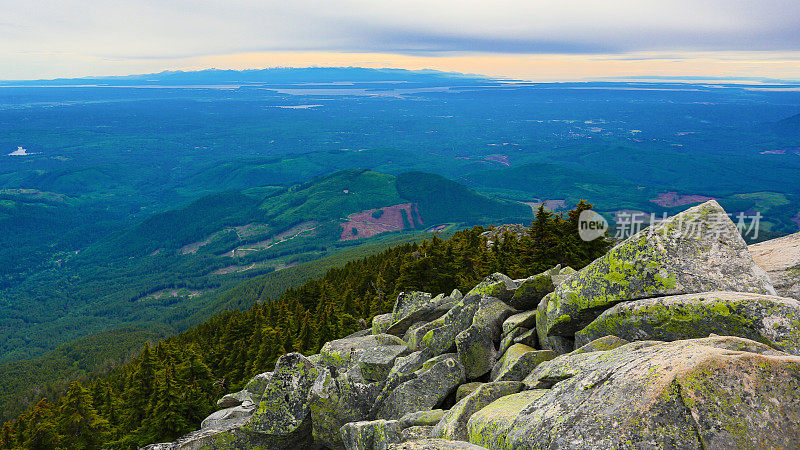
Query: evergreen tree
[164, 418]
[79, 424]
[43, 433]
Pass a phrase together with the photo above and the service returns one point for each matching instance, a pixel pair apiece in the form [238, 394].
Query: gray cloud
[177, 28]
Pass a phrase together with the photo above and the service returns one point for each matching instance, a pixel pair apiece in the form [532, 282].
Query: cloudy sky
[532, 39]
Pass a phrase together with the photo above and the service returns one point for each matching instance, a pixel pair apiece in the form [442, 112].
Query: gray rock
[698, 250]
[454, 423]
[409, 364]
[435, 444]
[518, 362]
[781, 259]
[236, 399]
[425, 391]
[381, 323]
[228, 418]
[531, 291]
[255, 387]
[336, 401]
[600, 344]
[508, 340]
[528, 338]
[490, 425]
[525, 319]
[283, 411]
[414, 335]
[371, 435]
[768, 319]
[698, 393]
[441, 339]
[422, 418]
[413, 307]
[344, 353]
[408, 303]
[476, 351]
[415, 433]
[491, 314]
[498, 233]
[466, 389]
[562, 275]
[376, 363]
[495, 285]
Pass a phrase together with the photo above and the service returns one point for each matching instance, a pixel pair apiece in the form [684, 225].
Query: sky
[540, 40]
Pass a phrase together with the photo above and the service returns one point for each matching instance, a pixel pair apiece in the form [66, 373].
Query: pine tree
[43, 433]
[79, 424]
[306, 337]
[164, 419]
[7, 438]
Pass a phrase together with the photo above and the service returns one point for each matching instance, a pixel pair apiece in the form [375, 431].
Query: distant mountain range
[325, 75]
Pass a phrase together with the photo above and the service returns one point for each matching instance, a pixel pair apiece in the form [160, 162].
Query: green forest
[169, 387]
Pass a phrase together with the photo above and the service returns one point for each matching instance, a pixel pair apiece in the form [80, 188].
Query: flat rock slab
[698, 250]
[454, 423]
[436, 444]
[781, 259]
[525, 319]
[495, 285]
[765, 318]
[347, 352]
[520, 367]
[489, 425]
[717, 392]
[425, 391]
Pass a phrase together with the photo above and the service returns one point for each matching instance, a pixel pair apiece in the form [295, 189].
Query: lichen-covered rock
[466, 389]
[525, 319]
[336, 401]
[415, 433]
[508, 339]
[347, 352]
[528, 338]
[413, 307]
[489, 425]
[422, 418]
[491, 314]
[518, 361]
[772, 320]
[476, 351]
[408, 303]
[425, 391]
[414, 335]
[371, 435]
[454, 423]
[381, 323]
[255, 387]
[602, 344]
[435, 444]
[228, 418]
[716, 392]
[284, 406]
[698, 250]
[781, 259]
[562, 275]
[531, 291]
[441, 339]
[495, 285]
[235, 399]
[376, 363]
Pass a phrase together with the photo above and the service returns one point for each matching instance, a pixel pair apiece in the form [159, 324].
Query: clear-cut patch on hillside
[371, 222]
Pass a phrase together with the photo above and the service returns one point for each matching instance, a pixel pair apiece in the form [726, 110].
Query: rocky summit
[676, 338]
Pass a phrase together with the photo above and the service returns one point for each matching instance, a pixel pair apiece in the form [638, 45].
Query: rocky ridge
[674, 339]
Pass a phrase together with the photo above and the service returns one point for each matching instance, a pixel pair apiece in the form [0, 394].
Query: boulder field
[676, 338]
